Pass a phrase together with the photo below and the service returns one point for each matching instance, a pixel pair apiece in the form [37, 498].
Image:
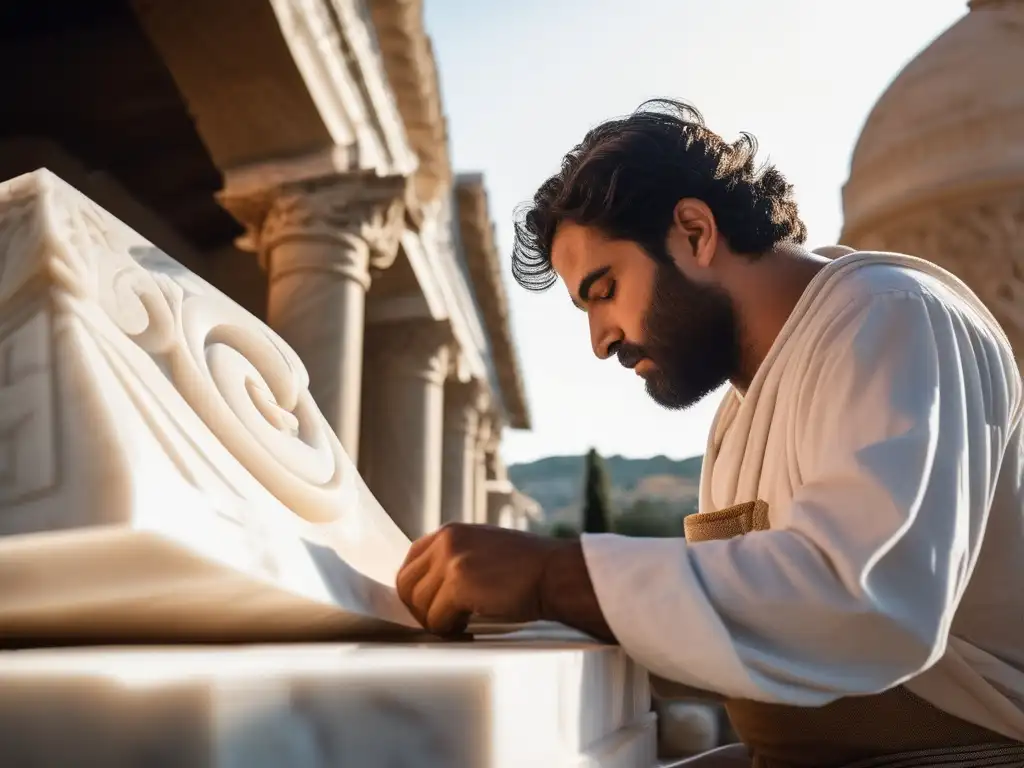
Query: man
[853, 585]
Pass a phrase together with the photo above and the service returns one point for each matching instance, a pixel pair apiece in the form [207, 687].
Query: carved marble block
[164, 472]
[490, 704]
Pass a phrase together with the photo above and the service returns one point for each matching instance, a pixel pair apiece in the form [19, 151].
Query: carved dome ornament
[938, 170]
[953, 118]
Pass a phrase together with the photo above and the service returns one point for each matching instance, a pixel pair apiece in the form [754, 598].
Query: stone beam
[408, 59]
[268, 79]
[485, 272]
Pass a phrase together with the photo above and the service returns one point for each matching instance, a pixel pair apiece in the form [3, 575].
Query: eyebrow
[587, 283]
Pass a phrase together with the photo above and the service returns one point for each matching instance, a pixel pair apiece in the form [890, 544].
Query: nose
[604, 337]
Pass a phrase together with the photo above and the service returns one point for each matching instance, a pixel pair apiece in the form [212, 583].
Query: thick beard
[691, 334]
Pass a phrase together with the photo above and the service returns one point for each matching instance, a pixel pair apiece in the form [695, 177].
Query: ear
[693, 220]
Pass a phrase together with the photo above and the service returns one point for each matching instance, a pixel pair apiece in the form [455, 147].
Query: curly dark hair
[627, 175]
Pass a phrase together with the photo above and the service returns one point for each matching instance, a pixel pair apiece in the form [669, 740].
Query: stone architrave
[320, 241]
[464, 404]
[407, 364]
[164, 471]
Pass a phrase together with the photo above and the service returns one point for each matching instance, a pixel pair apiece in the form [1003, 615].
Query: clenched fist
[464, 570]
[503, 575]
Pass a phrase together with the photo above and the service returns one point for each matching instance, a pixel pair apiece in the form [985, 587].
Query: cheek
[631, 318]
[633, 310]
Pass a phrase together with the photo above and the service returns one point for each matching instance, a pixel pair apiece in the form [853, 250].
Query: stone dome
[938, 171]
[952, 119]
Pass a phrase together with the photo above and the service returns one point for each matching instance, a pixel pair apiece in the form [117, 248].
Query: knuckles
[458, 568]
[453, 536]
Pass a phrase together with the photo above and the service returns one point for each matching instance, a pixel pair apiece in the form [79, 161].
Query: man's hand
[466, 570]
[461, 570]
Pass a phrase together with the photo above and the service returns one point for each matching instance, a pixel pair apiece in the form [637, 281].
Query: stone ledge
[474, 705]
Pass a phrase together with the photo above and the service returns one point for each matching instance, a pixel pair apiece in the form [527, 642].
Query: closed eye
[607, 295]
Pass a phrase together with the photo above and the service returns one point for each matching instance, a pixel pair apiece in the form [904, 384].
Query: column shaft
[316, 302]
[463, 403]
[480, 470]
[407, 366]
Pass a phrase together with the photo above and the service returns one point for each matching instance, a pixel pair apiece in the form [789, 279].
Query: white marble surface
[164, 472]
[165, 476]
[475, 705]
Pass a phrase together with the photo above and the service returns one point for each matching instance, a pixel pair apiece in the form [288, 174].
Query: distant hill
[658, 483]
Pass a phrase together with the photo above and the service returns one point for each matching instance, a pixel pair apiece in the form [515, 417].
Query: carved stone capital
[363, 212]
[418, 348]
[496, 469]
[485, 434]
[465, 403]
[470, 394]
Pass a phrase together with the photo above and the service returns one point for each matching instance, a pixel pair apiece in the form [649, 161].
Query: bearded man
[853, 584]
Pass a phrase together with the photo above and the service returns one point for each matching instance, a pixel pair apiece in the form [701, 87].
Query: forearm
[567, 594]
[760, 617]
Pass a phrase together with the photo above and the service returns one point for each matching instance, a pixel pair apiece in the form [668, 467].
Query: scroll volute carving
[176, 339]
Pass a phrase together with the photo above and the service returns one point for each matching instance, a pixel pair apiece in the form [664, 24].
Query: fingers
[428, 587]
[446, 616]
[411, 572]
[423, 594]
[420, 546]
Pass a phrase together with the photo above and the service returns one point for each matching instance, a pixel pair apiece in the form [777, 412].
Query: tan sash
[889, 728]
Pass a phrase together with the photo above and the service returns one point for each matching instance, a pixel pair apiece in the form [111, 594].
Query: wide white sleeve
[901, 428]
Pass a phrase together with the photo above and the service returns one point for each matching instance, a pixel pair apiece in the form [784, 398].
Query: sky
[523, 80]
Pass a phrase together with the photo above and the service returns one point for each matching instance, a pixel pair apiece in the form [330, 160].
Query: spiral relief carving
[252, 392]
[246, 385]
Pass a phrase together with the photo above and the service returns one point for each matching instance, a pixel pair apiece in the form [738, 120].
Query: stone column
[319, 242]
[464, 403]
[499, 504]
[407, 364]
[500, 509]
[483, 441]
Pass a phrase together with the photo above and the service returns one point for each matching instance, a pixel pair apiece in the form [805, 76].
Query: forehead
[576, 250]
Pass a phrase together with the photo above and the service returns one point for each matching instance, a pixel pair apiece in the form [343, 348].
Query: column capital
[417, 347]
[473, 393]
[465, 402]
[489, 436]
[363, 211]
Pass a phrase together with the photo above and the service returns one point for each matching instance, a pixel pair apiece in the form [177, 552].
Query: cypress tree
[596, 496]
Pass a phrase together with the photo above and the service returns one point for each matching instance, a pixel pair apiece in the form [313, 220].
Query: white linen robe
[884, 432]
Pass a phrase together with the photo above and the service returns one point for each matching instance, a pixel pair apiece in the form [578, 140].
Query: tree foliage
[563, 530]
[649, 518]
[597, 511]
